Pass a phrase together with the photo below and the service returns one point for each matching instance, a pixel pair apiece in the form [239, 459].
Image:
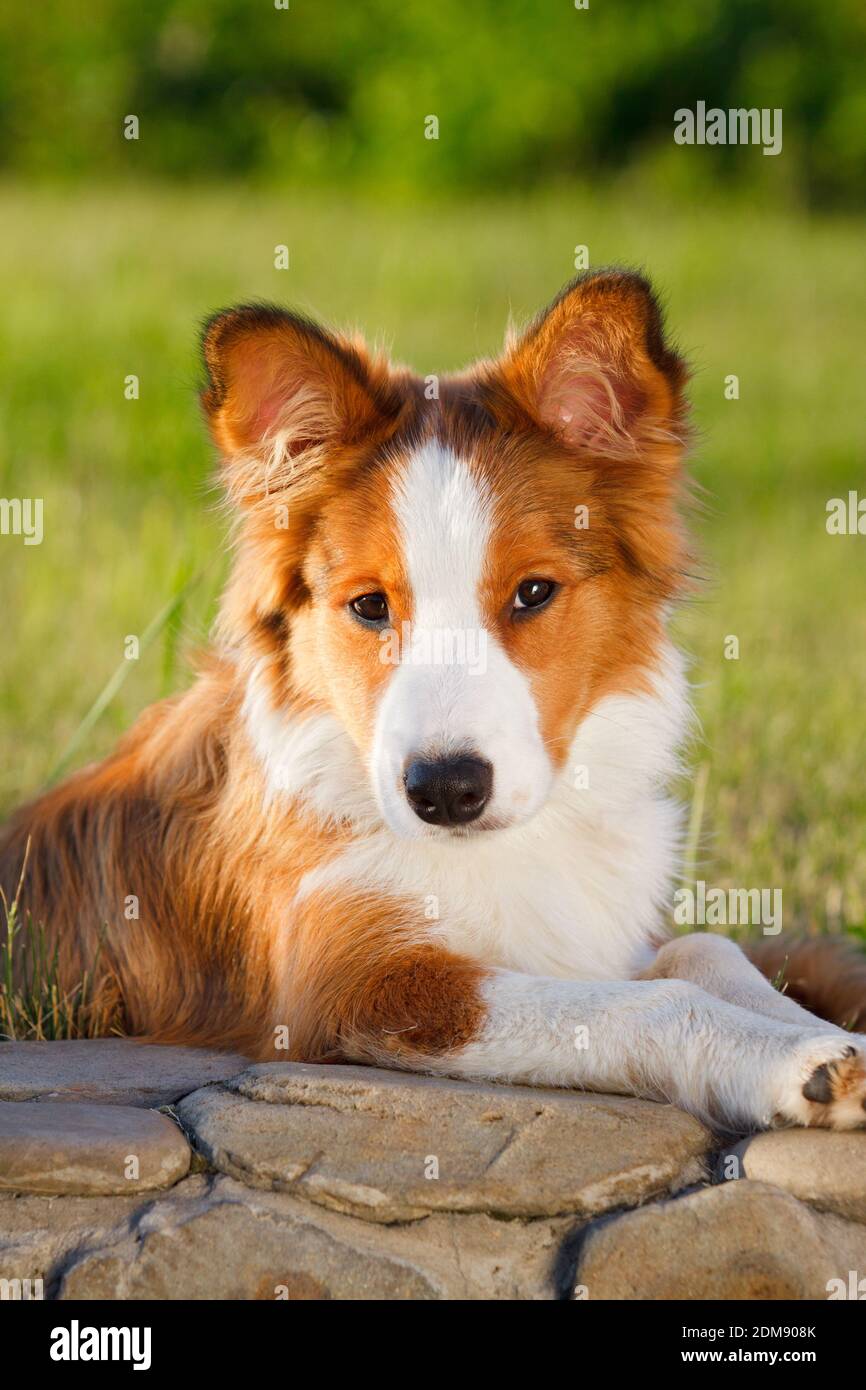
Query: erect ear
[594, 366]
[279, 386]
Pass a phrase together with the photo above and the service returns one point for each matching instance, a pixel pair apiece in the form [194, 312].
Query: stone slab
[215, 1239]
[390, 1146]
[50, 1147]
[113, 1071]
[742, 1240]
[825, 1169]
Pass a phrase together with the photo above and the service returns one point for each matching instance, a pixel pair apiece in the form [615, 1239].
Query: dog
[413, 812]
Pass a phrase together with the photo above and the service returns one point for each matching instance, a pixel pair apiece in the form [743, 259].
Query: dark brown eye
[534, 593]
[371, 608]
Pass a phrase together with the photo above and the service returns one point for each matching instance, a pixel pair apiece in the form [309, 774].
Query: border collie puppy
[413, 810]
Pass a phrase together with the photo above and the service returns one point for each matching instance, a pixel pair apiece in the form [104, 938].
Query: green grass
[101, 284]
[34, 1004]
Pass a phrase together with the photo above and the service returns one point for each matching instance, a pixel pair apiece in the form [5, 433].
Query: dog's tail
[825, 974]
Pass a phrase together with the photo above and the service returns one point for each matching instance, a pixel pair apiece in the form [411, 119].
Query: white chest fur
[575, 893]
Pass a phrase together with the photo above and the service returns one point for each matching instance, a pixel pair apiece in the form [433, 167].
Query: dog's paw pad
[837, 1091]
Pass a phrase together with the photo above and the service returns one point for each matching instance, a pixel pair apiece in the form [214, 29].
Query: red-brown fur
[359, 977]
[825, 975]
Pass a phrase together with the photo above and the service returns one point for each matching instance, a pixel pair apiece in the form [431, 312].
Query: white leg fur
[719, 966]
[665, 1040]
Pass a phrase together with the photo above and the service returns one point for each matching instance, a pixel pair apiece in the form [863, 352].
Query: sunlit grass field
[101, 285]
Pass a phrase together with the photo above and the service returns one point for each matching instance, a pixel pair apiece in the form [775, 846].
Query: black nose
[449, 791]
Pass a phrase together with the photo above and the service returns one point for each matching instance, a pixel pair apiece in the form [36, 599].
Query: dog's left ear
[595, 369]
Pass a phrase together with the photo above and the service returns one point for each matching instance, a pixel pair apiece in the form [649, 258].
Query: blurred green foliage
[526, 91]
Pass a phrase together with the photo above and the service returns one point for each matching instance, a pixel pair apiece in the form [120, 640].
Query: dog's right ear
[281, 391]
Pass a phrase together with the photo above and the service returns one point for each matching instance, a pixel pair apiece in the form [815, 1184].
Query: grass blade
[164, 617]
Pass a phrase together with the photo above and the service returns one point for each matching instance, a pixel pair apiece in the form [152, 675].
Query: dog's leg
[365, 983]
[666, 1040]
[720, 968]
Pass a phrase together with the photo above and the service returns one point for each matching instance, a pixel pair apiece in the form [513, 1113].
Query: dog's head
[460, 568]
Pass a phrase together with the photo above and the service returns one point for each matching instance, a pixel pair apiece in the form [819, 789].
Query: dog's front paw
[827, 1085]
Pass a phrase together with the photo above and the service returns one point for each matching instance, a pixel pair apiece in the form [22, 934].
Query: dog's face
[458, 569]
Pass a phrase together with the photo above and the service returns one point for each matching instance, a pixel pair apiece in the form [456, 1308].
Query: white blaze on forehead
[455, 690]
[445, 523]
